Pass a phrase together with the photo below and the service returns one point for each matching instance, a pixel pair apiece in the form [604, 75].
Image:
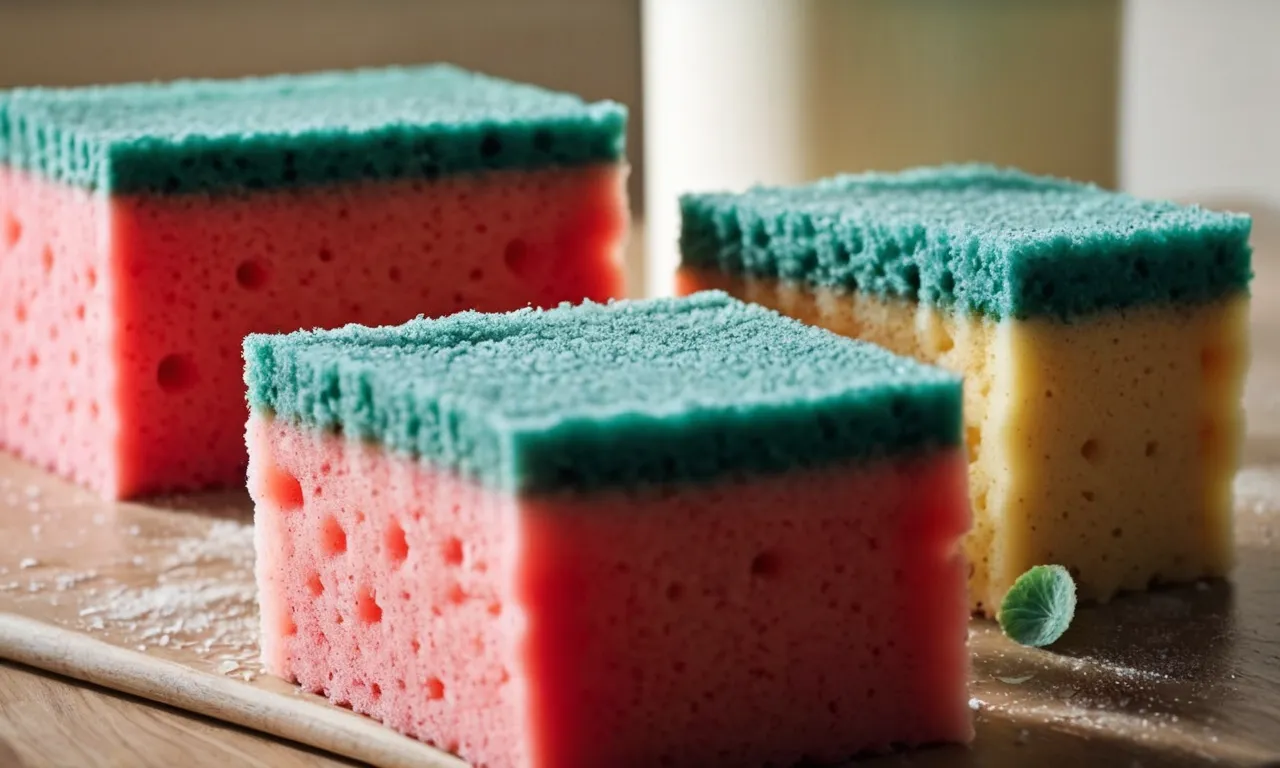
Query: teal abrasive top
[294, 130]
[607, 395]
[975, 238]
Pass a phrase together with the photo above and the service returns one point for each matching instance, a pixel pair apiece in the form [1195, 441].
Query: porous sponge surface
[581, 630]
[603, 395]
[122, 317]
[57, 382]
[1106, 445]
[974, 238]
[298, 130]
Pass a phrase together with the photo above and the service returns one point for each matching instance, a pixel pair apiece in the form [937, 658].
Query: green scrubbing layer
[607, 395]
[997, 242]
[297, 130]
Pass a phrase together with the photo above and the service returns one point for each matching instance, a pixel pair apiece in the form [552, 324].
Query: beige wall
[1027, 84]
[739, 92]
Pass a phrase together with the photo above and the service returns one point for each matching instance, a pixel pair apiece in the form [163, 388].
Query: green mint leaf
[1039, 606]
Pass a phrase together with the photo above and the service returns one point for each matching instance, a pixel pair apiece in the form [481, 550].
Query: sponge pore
[296, 130]
[980, 239]
[608, 395]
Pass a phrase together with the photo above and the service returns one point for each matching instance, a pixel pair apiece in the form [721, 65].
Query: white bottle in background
[739, 92]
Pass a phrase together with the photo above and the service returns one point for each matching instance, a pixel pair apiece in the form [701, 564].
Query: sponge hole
[518, 258]
[973, 441]
[46, 259]
[176, 373]
[1152, 448]
[435, 688]
[367, 608]
[333, 540]
[1091, 450]
[766, 565]
[11, 230]
[284, 625]
[281, 489]
[315, 587]
[452, 551]
[396, 544]
[251, 275]
[1213, 361]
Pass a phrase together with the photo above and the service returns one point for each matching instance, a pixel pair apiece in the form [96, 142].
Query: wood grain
[53, 722]
[79, 656]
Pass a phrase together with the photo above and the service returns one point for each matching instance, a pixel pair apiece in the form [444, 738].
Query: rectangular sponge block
[1102, 338]
[606, 395]
[296, 130]
[146, 229]
[999, 243]
[678, 532]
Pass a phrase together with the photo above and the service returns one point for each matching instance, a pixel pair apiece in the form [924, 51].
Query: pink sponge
[146, 229]
[461, 567]
[617, 629]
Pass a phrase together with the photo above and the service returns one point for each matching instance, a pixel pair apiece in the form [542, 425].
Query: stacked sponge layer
[601, 395]
[973, 239]
[300, 130]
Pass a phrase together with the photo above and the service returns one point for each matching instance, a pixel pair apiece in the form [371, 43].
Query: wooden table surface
[1219, 633]
[52, 722]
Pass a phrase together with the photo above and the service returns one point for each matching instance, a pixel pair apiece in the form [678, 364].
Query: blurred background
[1169, 98]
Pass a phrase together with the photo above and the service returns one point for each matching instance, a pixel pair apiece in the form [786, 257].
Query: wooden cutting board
[157, 600]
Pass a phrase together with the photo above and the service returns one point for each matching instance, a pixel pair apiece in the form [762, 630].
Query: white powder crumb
[35, 530]
[227, 667]
[10, 586]
[163, 642]
[33, 507]
[97, 623]
[33, 491]
[248, 677]
[975, 704]
[133, 530]
[1023, 736]
[138, 561]
[35, 586]
[66, 581]
[28, 562]
[142, 647]
[99, 519]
